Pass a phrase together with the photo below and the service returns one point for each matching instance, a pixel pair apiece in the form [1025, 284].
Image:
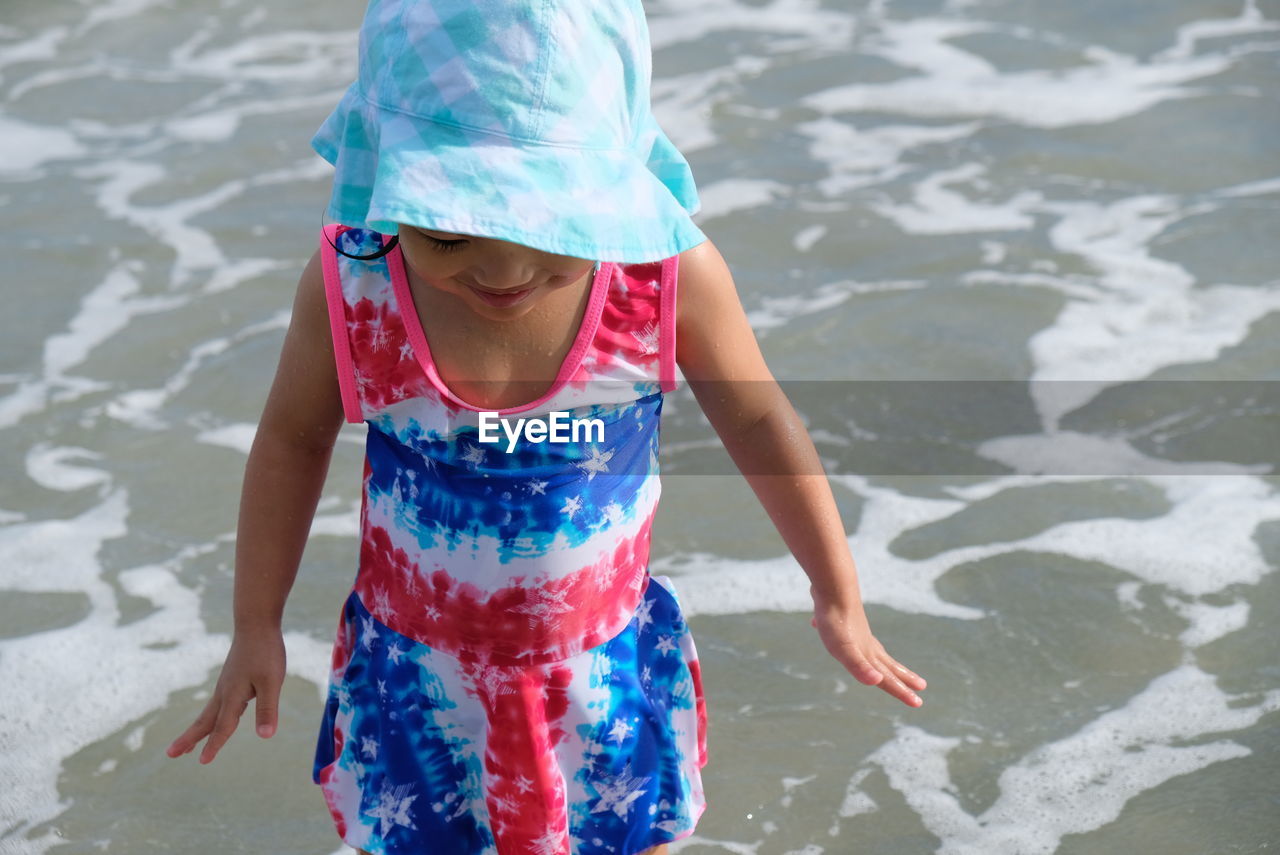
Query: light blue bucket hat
[523, 120]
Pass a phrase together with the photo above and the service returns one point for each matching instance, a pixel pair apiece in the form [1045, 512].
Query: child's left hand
[847, 636]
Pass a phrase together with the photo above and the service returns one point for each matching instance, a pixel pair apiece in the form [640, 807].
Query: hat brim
[619, 205]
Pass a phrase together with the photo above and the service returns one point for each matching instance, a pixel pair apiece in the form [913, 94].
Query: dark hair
[387, 246]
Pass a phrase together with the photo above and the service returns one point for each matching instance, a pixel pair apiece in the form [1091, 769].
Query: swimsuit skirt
[507, 677]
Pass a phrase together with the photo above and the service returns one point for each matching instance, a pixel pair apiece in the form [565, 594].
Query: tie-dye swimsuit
[508, 679]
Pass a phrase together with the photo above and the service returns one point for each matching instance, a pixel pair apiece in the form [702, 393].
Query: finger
[860, 667]
[899, 690]
[907, 676]
[228, 718]
[266, 708]
[196, 732]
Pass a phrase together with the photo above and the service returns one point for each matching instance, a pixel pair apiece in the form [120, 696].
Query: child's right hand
[254, 668]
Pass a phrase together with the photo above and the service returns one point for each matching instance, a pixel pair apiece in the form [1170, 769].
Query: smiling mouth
[501, 298]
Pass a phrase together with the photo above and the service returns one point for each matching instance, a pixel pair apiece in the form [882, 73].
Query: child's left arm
[720, 359]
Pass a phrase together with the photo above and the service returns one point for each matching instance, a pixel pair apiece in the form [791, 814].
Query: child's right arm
[283, 479]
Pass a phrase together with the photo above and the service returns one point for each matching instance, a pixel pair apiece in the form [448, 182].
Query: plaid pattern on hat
[523, 120]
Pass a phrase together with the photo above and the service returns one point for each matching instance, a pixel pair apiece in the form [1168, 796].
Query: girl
[507, 677]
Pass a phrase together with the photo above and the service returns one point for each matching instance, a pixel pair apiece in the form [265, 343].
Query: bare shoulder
[304, 406]
[703, 274]
[714, 339]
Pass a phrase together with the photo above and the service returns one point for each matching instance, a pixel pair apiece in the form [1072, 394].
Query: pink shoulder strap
[338, 323]
[667, 324]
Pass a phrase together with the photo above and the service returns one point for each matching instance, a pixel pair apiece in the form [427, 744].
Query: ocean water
[1013, 262]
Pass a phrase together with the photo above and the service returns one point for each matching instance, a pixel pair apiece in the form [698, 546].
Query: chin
[497, 313]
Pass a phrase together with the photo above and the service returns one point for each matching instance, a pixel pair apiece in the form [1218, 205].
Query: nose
[503, 269]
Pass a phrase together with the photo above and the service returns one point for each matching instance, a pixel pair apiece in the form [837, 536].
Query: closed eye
[442, 245]
[446, 245]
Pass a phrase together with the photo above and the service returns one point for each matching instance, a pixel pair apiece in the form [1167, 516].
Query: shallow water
[1073, 203]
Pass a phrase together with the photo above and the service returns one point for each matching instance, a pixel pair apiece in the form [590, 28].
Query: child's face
[497, 279]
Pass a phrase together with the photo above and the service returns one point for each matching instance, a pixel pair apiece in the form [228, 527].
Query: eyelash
[445, 245]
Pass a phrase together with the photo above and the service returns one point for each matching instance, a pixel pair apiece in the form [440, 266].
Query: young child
[507, 677]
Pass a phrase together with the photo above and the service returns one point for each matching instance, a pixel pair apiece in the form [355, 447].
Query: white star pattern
[551, 843]
[536, 487]
[502, 804]
[369, 747]
[473, 455]
[666, 644]
[620, 731]
[572, 506]
[382, 604]
[393, 807]
[648, 338]
[381, 339]
[619, 794]
[369, 635]
[524, 785]
[492, 680]
[643, 616]
[596, 463]
[543, 603]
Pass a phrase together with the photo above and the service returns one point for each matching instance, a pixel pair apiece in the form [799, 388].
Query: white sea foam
[237, 436]
[32, 47]
[1250, 20]
[48, 466]
[731, 846]
[737, 194]
[807, 237]
[954, 82]
[713, 585]
[28, 146]
[141, 407]
[1202, 546]
[344, 524]
[937, 210]
[136, 665]
[856, 158]
[277, 56]
[1082, 781]
[1072, 453]
[1206, 622]
[856, 802]
[801, 24]
[106, 310]
[1148, 314]
[776, 312]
